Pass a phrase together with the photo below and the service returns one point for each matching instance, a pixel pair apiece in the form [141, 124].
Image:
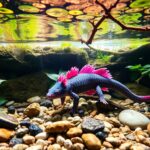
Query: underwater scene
[74, 75]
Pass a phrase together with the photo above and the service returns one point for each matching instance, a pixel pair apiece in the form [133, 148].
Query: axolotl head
[59, 88]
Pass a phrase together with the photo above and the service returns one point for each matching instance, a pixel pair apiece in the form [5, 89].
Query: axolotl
[90, 81]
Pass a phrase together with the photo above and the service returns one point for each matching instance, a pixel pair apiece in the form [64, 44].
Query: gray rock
[7, 121]
[22, 88]
[133, 119]
[92, 125]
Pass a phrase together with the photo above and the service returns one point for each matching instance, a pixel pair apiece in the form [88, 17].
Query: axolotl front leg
[75, 101]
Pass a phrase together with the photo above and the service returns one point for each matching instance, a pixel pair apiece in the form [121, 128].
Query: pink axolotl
[89, 81]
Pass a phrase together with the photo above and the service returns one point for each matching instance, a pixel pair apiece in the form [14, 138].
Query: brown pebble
[76, 140]
[59, 126]
[5, 134]
[107, 144]
[51, 139]
[32, 110]
[91, 141]
[125, 146]
[73, 132]
[148, 128]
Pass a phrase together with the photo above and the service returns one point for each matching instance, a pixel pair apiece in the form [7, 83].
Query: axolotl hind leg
[101, 95]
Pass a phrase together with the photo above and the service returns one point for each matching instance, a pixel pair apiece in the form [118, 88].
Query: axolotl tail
[113, 84]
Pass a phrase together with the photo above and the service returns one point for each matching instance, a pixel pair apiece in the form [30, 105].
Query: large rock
[17, 61]
[22, 88]
[133, 119]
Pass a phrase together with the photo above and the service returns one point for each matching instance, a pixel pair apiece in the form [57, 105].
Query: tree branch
[108, 15]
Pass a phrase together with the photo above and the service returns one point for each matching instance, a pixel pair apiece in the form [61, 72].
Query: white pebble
[42, 135]
[60, 140]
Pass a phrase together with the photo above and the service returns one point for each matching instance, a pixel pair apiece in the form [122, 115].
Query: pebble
[34, 99]
[68, 144]
[34, 129]
[115, 122]
[107, 144]
[114, 141]
[78, 146]
[91, 141]
[59, 126]
[133, 119]
[21, 132]
[10, 103]
[54, 147]
[101, 135]
[15, 141]
[35, 147]
[139, 146]
[72, 132]
[57, 102]
[92, 125]
[25, 123]
[60, 140]
[108, 125]
[32, 110]
[5, 134]
[8, 121]
[42, 135]
[148, 128]
[46, 103]
[107, 97]
[42, 142]
[28, 139]
[77, 140]
[125, 146]
[11, 109]
[20, 147]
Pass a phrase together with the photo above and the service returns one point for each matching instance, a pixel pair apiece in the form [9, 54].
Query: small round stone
[42, 135]
[54, 147]
[32, 110]
[148, 128]
[91, 141]
[34, 129]
[68, 144]
[78, 146]
[20, 147]
[72, 132]
[60, 140]
[101, 135]
[76, 140]
[133, 119]
[15, 141]
[25, 123]
[5, 134]
[11, 109]
[21, 132]
[34, 99]
[92, 125]
[10, 103]
[46, 103]
[28, 139]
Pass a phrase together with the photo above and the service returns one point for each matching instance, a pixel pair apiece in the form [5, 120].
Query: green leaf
[52, 76]
[2, 101]
[2, 81]
[135, 67]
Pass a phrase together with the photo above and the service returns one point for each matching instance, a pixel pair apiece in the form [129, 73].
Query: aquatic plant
[139, 71]
[103, 57]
